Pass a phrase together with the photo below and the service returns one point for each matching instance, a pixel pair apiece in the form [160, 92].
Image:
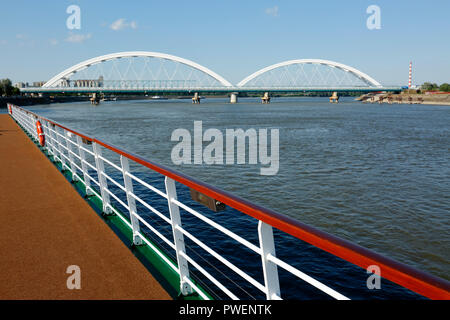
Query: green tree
[445, 87]
[7, 89]
[428, 86]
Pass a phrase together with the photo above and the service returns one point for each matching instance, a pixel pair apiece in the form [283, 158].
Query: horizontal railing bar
[307, 278]
[75, 174]
[96, 193]
[87, 150]
[62, 145]
[59, 134]
[50, 140]
[68, 167]
[52, 145]
[66, 157]
[51, 129]
[77, 167]
[155, 231]
[219, 227]
[82, 135]
[119, 214]
[76, 155]
[66, 138]
[92, 179]
[69, 138]
[111, 163]
[209, 276]
[166, 260]
[89, 164]
[223, 260]
[145, 204]
[117, 198]
[113, 181]
[418, 281]
[145, 184]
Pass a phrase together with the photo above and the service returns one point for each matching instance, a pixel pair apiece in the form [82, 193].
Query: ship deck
[46, 226]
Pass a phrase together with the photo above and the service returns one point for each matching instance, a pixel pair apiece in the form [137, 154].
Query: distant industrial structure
[410, 75]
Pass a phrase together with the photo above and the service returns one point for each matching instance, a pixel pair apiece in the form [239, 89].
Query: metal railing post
[177, 235]
[270, 269]
[131, 202]
[34, 127]
[68, 137]
[55, 142]
[101, 178]
[84, 167]
[34, 131]
[64, 166]
[50, 134]
[48, 143]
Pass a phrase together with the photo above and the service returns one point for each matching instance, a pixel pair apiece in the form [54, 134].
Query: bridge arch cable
[138, 69]
[309, 73]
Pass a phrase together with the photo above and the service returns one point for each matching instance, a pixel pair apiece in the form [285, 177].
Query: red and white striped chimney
[410, 75]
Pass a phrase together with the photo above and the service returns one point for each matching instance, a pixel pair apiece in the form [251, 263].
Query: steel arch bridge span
[132, 54]
[356, 73]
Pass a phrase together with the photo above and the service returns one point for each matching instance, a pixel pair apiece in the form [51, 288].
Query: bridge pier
[334, 97]
[234, 97]
[95, 99]
[266, 98]
[196, 98]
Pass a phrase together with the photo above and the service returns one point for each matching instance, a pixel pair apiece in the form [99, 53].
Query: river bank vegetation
[7, 89]
[428, 86]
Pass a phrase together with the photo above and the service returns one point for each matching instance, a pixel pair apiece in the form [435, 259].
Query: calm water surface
[375, 175]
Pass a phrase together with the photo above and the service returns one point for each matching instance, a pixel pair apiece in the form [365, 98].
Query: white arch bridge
[153, 72]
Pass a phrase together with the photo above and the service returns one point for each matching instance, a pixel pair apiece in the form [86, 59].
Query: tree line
[428, 86]
[7, 89]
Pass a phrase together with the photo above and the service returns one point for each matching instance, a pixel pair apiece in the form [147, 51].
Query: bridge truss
[141, 71]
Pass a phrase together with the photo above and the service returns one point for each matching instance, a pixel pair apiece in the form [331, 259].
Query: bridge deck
[44, 229]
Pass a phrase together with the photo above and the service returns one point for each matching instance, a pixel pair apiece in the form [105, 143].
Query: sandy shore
[406, 98]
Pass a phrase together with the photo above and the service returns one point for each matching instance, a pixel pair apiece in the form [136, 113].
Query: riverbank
[29, 101]
[406, 98]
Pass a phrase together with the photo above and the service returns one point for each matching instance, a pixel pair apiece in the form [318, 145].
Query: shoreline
[406, 98]
[381, 98]
[30, 101]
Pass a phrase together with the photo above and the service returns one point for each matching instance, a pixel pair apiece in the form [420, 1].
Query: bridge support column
[196, 98]
[266, 98]
[95, 99]
[334, 98]
[234, 97]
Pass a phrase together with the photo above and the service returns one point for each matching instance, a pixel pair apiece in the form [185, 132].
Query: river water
[377, 175]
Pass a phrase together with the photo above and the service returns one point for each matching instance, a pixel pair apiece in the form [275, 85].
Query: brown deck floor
[45, 226]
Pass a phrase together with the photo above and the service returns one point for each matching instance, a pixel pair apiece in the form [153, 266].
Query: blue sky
[233, 38]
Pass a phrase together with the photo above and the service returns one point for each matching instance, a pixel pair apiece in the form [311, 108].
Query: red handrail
[418, 281]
